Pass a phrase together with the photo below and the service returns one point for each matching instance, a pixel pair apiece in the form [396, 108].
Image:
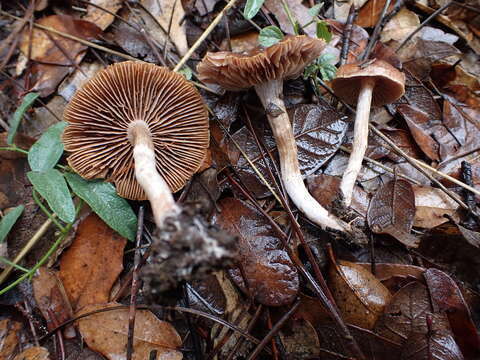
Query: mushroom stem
[360, 140]
[155, 187]
[270, 95]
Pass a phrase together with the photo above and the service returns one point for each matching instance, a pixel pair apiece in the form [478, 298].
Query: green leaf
[326, 59]
[186, 72]
[46, 152]
[251, 8]
[269, 36]
[328, 72]
[104, 201]
[315, 10]
[18, 115]
[323, 32]
[310, 71]
[53, 188]
[9, 220]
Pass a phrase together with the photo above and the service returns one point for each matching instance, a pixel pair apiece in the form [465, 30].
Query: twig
[425, 22]
[347, 33]
[135, 283]
[204, 35]
[274, 330]
[71, 37]
[376, 32]
[28, 246]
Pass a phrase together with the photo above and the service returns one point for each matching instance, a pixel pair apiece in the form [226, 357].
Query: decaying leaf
[34, 353]
[360, 296]
[9, 337]
[271, 277]
[369, 14]
[54, 54]
[392, 210]
[92, 263]
[298, 11]
[300, 340]
[447, 298]
[100, 17]
[106, 332]
[432, 205]
[51, 297]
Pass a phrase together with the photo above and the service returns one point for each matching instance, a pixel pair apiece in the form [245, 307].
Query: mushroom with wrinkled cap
[265, 70]
[141, 126]
[373, 82]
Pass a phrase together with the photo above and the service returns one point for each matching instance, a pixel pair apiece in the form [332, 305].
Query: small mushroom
[140, 126]
[374, 82]
[265, 70]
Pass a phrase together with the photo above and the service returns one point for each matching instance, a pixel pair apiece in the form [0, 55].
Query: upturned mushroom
[140, 126]
[265, 70]
[373, 82]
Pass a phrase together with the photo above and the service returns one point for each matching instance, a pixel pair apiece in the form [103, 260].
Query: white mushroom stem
[155, 187]
[360, 140]
[270, 94]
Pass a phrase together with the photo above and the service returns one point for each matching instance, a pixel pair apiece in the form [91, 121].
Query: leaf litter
[411, 294]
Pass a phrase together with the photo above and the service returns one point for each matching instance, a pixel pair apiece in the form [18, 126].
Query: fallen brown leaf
[392, 210]
[271, 277]
[106, 332]
[9, 337]
[360, 296]
[431, 206]
[92, 263]
[100, 17]
[34, 353]
[369, 14]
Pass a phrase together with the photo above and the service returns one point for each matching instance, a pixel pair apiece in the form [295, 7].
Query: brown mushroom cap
[100, 113]
[284, 60]
[389, 85]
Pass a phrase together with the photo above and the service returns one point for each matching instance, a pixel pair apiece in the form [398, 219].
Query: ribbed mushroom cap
[389, 85]
[284, 60]
[100, 113]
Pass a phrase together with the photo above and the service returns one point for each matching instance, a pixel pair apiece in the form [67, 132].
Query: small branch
[376, 32]
[204, 35]
[347, 33]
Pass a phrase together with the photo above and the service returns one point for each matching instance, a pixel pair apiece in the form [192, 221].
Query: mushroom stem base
[155, 187]
[360, 141]
[270, 95]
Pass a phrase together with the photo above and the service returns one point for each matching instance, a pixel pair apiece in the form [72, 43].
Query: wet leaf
[269, 36]
[395, 276]
[407, 313]
[432, 205]
[360, 296]
[34, 353]
[392, 210]
[272, 278]
[27, 101]
[46, 152]
[106, 332]
[50, 297]
[435, 345]
[53, 188]
[300, 340]
[9, 337]
[319, 131]
[92, 263]
[447, 298]
[105, 202]
[8, 220]
[252, 7]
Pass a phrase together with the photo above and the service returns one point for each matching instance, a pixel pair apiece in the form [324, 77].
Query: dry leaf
[392, 210]
[53, 63]
[272, 278]
[400, 26]
[100, 17]
[34, 353]
[106, 332]
[432, 204]
[300, 340]
[299, 13]
[92, 263]
[9, 337]
[360, 296]
[369, 14]
[51, 297]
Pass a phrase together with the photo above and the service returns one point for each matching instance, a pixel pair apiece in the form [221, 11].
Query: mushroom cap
[284, 60]
[99, 115]
[389, 82]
